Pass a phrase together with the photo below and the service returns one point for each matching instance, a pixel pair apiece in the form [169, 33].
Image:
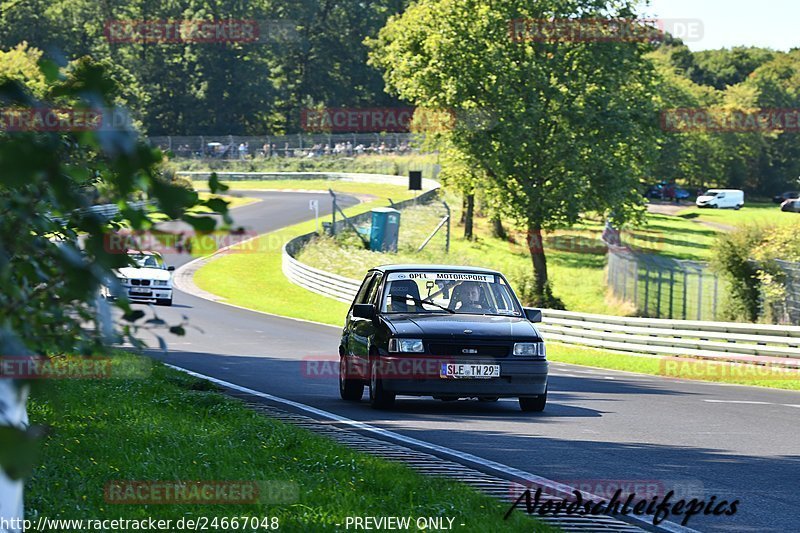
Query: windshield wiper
[419, 302]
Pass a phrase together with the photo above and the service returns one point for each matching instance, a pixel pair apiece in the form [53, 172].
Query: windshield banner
[446, 276]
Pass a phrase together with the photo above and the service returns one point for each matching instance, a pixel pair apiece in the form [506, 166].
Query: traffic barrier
[727, 341]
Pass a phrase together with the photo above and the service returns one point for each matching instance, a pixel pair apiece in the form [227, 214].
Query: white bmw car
[149, 280]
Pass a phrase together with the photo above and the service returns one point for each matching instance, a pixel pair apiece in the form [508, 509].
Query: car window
[361, 297]
[146, 261]
[373, 290]
[459, 292]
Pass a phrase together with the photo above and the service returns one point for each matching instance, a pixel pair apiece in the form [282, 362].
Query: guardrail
[726, 341]
[750, 343]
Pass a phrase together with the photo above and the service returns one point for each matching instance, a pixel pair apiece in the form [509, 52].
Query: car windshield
[146, 260]
[453, 292]
[712, 193]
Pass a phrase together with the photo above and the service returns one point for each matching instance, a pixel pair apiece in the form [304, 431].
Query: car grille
[141, 282]
[476, 350]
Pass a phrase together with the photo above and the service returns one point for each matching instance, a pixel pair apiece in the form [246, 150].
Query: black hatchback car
[442, 331]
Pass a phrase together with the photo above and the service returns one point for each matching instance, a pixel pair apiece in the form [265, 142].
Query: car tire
[350, 390]
[737, 207]
[164, 301]
[533, 405]
[379, 398]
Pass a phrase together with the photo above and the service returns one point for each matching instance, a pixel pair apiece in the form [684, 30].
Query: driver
[469, 296]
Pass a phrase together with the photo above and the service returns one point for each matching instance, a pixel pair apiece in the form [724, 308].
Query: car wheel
[379, 398]
[349, 389]
[164, 301]
[533, 405]
[737, 207]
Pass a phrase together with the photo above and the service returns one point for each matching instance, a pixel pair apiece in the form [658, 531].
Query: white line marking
[739, 401]
[520, 475]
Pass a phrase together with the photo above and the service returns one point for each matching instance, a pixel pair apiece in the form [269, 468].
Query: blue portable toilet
[385, 228]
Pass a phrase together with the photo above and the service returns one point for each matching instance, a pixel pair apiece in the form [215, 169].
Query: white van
[721, 198]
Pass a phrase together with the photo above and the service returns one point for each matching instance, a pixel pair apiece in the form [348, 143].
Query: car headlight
[406, 346]
[122, 280]
[529, 349]
[160, 283]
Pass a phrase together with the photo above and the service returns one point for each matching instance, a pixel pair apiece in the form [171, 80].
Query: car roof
[433, 268]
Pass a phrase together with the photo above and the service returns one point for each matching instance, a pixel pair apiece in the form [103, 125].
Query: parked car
[443, 331]
[791, 206]
[149, 280]
[789, 195]
[663, 191]
[721, 198]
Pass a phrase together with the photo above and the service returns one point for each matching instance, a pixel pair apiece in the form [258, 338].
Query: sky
[716, 24]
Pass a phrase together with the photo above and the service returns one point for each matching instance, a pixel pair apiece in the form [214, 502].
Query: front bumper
[146, 293]
[517, 377]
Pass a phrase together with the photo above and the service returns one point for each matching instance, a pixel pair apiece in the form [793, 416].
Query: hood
[441, 326]
[705, 198]
[145, 273]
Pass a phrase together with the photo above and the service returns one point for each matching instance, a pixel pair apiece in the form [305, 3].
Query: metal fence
[297, 145]
[662, 287]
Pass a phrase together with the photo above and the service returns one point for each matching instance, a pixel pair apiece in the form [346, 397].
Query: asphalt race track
[732, 442]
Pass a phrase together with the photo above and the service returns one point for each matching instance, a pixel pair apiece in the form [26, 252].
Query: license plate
[141, 291]
[469, 370]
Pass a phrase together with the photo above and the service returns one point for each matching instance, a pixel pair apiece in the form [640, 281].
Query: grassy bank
[574, 254]
[255, 279]
[172, 427]
[233, 201]
[397, 165]
[761, 213]
[380, 190]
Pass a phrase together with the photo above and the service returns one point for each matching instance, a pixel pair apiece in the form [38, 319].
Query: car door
[363, 329]
[361, 297]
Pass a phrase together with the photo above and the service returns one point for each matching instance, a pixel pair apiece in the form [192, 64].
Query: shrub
[732, 260]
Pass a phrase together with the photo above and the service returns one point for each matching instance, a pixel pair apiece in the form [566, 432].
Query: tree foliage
[550, 124]
[54, 253]
[309, 52]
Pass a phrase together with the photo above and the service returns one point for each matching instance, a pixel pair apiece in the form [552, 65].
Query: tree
[54, 257]
[570, 124]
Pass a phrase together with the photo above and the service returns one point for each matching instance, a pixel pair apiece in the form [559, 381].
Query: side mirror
[364, 311]
[533, 315]
[171, 268]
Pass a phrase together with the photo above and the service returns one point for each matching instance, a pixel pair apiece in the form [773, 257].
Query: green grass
[762, 213]
[683, 368]
[397, 165]
[575, 254]
[255, 279]
[172, 427]
[380, 190]
[233, 201]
